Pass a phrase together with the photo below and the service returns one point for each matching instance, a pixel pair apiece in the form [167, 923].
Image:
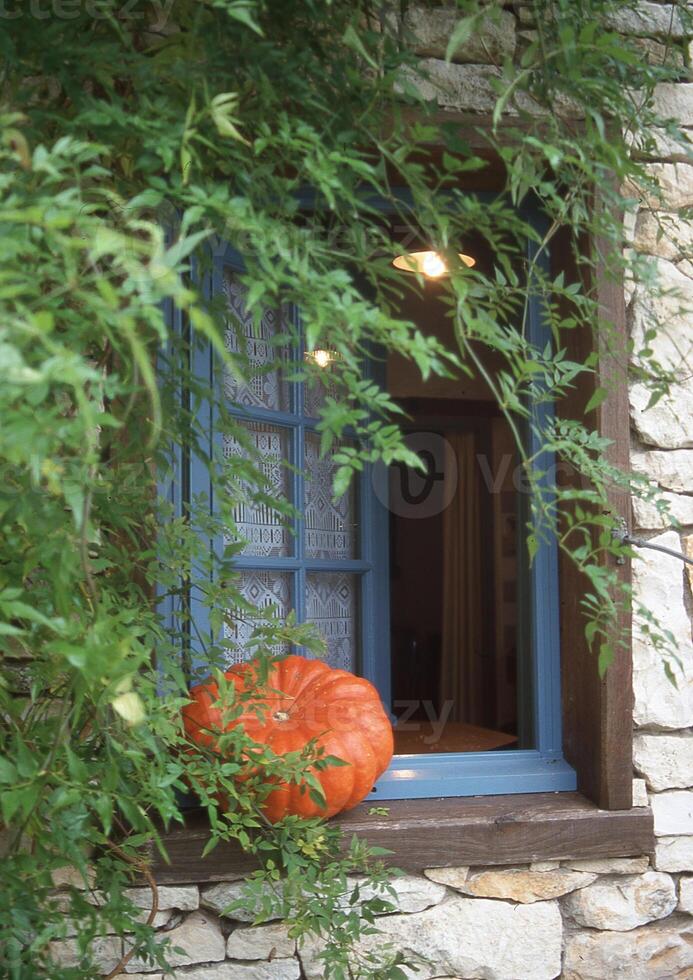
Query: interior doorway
[459, 635]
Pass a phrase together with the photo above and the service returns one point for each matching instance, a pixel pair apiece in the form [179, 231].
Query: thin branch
[141, 866]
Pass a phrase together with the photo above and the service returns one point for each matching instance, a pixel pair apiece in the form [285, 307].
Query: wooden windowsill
[434, 833]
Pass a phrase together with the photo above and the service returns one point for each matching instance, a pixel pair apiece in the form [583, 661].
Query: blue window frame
[346, 568]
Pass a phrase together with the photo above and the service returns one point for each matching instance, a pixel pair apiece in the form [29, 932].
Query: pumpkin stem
[281, 715]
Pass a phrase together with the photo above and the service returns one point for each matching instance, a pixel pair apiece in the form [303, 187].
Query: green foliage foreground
[133, 138]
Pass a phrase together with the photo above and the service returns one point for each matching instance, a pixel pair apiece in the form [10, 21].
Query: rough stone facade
[580, 920]
[629, 918]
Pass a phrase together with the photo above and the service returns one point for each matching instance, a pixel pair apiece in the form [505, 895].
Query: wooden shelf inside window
[457, 736]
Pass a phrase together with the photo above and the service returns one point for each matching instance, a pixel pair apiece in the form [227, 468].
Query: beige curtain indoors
[461, 645]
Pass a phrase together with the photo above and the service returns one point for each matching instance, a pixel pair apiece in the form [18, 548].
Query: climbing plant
[135, 138]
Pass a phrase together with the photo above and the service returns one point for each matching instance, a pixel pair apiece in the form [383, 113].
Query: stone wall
[580, 920]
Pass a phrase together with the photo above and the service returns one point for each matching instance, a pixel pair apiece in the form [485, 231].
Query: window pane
[266, 386]
[266, 531]
[459, 584]
[314, 394]
[265, 591]
[331, 530]
[332, 604]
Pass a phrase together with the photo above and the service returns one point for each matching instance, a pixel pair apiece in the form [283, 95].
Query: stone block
[669, 510]
[673, 812]
[526, 12]
[660, 145]
[611, 866]
[658, 585]
[468, 88]
[186, 898]
[198, 936]
[411, 893]
[666, 761]
[518, 885]
[452, 877]
[276, 970]
[660, 952]
[674, 100]
[260, 943]
[640, 797]
[672, 470]
[220, 897]
[71, 877]
[623, 903]
[648, 19]
[659, 54]
[469, 937]
[675, 181]
[686, 894]
[663, 234]
[668, 312]
[472, 88]
[674, 854]
[105, 952]
[429, 30]
[665, 425]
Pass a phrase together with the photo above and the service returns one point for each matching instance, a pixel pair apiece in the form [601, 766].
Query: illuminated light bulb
[323, 358]
[428, 263]
[433, 266]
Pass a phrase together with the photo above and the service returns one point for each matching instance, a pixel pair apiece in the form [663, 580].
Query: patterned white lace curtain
[329, 528]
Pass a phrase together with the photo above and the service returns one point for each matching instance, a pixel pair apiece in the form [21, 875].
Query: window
[597, 821]
[472, 680]
[320, 562]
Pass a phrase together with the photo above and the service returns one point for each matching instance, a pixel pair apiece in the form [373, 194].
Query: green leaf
[104, 807]
[352, 40]
[591, 631]
[461, 33]
[222, 108]
[599, 395]
[670, 675]
[209, 846]
[8, 772]
[244, 12]
[532, 547]
[18, 802]
[7, 629]
[606, 656]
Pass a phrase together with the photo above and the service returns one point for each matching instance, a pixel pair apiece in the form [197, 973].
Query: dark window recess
[459, 647]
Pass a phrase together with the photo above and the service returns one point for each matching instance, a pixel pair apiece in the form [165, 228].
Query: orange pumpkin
[304, 700]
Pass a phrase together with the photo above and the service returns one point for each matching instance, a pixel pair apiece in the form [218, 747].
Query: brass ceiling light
[430, 264]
